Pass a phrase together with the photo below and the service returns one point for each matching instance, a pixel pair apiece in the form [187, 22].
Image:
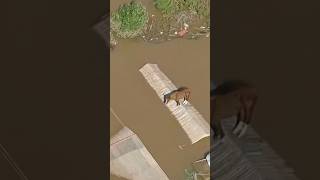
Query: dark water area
[54, 96]
[274, 45]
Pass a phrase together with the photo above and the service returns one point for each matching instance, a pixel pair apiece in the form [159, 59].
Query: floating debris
[185, 25]
[184, 22]
[183, 32]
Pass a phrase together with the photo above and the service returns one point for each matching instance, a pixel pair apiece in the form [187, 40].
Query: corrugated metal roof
[247, 158]
[130, 159]
[193, 123]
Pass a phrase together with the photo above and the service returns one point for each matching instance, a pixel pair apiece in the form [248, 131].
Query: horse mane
[182, 88]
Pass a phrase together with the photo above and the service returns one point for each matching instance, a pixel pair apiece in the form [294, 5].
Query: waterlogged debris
[113, 41]
[190, 21]
[183, 22]
[183, 32]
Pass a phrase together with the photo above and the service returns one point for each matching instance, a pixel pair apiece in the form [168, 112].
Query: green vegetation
[129, 20]
[199, 7]
[189, 174]
[165, 6]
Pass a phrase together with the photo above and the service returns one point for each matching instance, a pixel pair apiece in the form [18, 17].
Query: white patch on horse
[185, 102]
[238, 128]
[243, 131]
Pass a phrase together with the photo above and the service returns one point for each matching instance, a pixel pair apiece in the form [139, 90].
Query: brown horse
[176, 95]
[232, 98]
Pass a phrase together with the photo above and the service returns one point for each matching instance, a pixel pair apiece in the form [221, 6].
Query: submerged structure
[202, 168]
[102, 28]
[193, 123]
[246, 158]
[130, 159]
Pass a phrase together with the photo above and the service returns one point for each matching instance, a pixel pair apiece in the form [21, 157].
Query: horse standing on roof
[232, 98]
[176, 95]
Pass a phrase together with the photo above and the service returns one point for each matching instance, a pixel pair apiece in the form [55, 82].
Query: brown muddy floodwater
[186, 63]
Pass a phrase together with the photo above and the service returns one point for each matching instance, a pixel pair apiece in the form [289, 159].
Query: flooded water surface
[186, 63]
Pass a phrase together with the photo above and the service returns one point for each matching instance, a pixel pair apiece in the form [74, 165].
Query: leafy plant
[200, 7]
[129, 20]
[165, 6]
[189, 174]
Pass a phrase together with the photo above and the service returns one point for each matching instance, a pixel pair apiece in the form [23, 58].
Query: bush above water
[129, 20]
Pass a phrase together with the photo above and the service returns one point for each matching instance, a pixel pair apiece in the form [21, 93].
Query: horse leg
[246, 106]
[217, 129]
[178, 103]
[251, 109]
[220, 130]
[188, 96]
[184, 100]
[240, 119]
[167, 100]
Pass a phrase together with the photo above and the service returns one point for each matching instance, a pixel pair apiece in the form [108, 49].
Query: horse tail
[188, 94]
[165, 97]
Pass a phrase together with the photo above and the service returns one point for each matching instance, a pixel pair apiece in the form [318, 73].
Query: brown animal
[176, 95]
[232, 98]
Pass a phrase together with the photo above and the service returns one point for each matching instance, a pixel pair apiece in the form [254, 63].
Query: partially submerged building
[246, 158]
[130, 159]
[102, 28]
